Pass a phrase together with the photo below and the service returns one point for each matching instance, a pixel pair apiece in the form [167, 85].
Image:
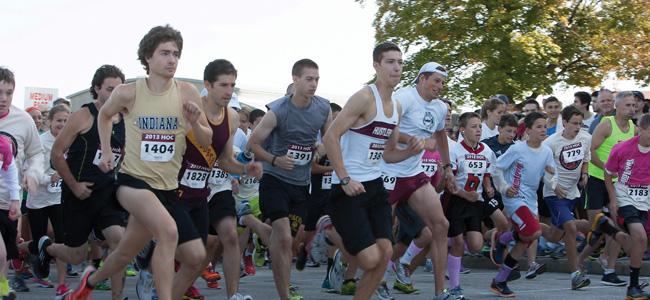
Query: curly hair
[156, 36]
[105, 71]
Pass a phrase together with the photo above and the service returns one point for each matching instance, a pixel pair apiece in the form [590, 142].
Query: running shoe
[103, 286]
[129, 271]
[501, 289]
[428, 266]
[444, 296]
[464, 270]
[595, 233]
[144, 286]
[242, 267]
[579, 281]
[514, 274]
[383, 293]
[337, 273]
[214, 285]
[558, 252]
[11, 295]
[496, 249]
[209, 274]
[62, 291]
[327, 287]
[142, 260]
[293, 294]
[646, 255]
[457, 292]
[71, 272]
[248, 264]
[192, 293]
[18, 284]
[239, 296]
[318, 245]
[403, 273]
[405, 288]
[82, 292]
[243, 208]
[16, 264]
[636, 293]
[612, 279]
[535, 269]
[310, 263]
[349, 288]
[42, 268]
[543, 251]
[302, 257]
[44, 283]
[259, 252]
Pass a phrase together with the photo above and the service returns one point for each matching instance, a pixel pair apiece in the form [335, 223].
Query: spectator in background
[606, 106]
[639, 104]
[553, 108]
[582, 100]
[36, 115]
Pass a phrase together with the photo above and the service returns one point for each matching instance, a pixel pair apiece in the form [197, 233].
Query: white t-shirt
[487, 133]
[569, 155]
[471, 165]
[48, 193]
[419, 118]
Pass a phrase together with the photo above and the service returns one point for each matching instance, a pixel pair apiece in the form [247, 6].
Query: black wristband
[447, 165]
[273, 160]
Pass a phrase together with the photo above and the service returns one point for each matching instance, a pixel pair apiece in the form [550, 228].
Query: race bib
[429, 166]
[638, 193]
[157, 147]
[98, 157]
[389, 181]
[217, 176]
[375, 153]
[326, 184]
[573, 155]
[301, 154]
[475, 166]
[248, 181]
[55, 187]
[194, 178]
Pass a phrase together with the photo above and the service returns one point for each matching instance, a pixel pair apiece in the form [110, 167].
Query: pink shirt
[430, 165]
[632, 166]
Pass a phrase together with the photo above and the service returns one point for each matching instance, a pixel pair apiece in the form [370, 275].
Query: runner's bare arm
[121, 100]
[198, 122]
[261, 132]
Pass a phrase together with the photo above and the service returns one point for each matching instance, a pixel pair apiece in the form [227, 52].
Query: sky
[60, 43]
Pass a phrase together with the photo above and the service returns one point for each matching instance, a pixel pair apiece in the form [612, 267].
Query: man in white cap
[423, 116]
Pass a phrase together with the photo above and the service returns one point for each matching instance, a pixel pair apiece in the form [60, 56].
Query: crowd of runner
[159, 181]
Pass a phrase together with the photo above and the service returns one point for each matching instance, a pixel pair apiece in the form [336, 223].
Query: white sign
[36, 96]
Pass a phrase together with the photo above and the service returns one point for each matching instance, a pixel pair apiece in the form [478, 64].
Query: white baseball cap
[431, 67]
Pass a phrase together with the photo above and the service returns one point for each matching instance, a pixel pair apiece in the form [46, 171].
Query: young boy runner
[629, 200]
[571, 153]
[473, 162]
[365, 132]
[517, 176]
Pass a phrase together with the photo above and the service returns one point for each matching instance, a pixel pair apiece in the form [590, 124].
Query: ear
[207, 84]
[375, 65]
[97, 89]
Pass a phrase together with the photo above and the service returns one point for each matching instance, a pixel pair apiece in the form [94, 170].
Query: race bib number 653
[157, 147]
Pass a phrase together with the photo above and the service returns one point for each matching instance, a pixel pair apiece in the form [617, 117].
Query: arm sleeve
[499, 181]
[34, 155]
[12, 181]
[550, 179]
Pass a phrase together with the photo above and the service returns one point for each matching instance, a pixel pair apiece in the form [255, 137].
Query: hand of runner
[55, 178]
[490, 192]
[254, 169]
[560, 191]
[430, 145]
[353, 188]
[106, 163]
[235, 186]
[511, 192]
[82, 190]
[415, 145]
[14, 210]
[452, 185]
[471, 196]
[583, 180]
[613, 208]
[191, 111]
[285, 162]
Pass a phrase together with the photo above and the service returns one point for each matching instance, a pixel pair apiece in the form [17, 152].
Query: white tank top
[363, 147]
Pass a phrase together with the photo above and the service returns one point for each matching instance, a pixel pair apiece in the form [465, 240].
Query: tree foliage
[519, 48]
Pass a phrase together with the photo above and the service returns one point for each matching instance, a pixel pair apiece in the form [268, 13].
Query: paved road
[476, 285]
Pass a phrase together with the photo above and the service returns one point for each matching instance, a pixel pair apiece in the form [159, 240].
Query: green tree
[520, 48]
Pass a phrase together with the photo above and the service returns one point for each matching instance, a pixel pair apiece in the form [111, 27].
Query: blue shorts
[561, 210]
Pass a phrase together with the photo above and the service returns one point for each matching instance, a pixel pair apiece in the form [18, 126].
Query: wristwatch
[345, 180]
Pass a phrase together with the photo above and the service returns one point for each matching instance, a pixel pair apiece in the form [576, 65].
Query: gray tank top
[295, 133]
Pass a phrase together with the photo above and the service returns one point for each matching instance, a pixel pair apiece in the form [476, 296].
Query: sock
[608, 271]
[386, 274]
[634, 276]
[330, 263]
[412, 251]
[543, 242]
[506, 237]
[574, 274]
[4, 285]
[510, 261]
[503, 273]
[465, 245]
[453, 265]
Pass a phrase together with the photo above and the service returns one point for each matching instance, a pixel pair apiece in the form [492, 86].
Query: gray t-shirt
[295, 133]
